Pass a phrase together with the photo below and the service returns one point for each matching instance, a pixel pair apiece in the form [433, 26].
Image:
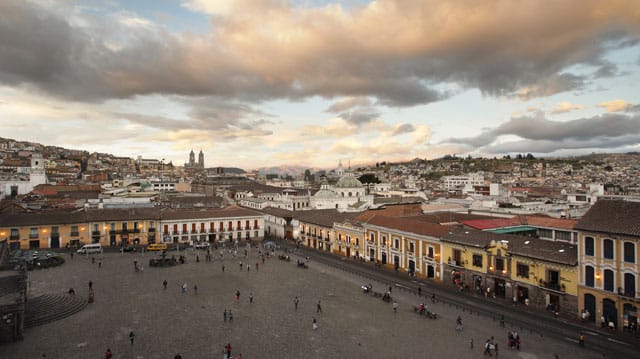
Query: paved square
[166, 322]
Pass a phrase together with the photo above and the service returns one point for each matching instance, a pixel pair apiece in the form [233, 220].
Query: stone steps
[51, 307]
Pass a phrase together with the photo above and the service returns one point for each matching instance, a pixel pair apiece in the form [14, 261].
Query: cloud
[565, 106]
[402, 129]
[271, 49]
[348, 103]
[609, 130]
[360, 117]
[615, 105]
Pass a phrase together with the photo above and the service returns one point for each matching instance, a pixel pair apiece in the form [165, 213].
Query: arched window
[629, 285]
[588, 246]
[608, 280]
[607, 245]
[589, 276]
[629, 252]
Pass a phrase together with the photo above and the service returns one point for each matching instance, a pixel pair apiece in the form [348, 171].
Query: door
[384, 258]
[348, 252]
[55, 241]
[372, 254]
[499, 287]
[609, 311]
[412, 267]
[396, 262]
[590, 305]
[430, 272]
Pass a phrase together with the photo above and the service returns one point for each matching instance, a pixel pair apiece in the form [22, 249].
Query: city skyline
[269, 82]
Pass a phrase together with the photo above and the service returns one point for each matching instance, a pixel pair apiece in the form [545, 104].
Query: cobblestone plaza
[167, 322]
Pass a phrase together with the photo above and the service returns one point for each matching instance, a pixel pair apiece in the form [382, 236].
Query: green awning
[514, 229]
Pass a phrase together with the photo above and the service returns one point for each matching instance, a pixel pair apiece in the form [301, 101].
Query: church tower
[192, 159]
[201, 159]
[37, 175]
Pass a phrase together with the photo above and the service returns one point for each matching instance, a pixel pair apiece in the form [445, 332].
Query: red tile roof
[483, 224]
[408, 225]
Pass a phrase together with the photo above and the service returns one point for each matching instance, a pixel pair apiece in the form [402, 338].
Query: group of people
[513, 338]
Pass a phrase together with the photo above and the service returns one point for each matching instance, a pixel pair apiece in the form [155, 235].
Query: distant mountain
[281, 170]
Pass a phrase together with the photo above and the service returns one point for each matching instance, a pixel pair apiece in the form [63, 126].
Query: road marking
[571, 340]
[591, 333]
[617, 341]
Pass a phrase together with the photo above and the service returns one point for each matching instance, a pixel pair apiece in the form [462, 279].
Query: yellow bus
[157, 247]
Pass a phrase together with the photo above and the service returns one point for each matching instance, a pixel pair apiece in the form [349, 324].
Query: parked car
[129, 249]
[204, 245]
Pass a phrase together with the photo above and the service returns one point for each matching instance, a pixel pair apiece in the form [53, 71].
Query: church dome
[325, 193]
[348, 181]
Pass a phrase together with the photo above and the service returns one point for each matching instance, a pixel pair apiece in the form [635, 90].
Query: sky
[255, 83]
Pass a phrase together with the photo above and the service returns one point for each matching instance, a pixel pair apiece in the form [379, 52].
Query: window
[384, 240]
[629, 252]
[184, 228]
[371, 237]
[54, 231]
[608, 248]
[396, 244]
[411, 247]
[33, 233]
[112, 226]
[608, 280]
[545, 233]
[589, 276]
[15, 234]
[136, 226]
[588, 246]
[499, 264]
[74, 231]
[193, 228]
[124, 226]
[629, 285]
[522, 270]
[430, 252]
[563, 236]
[152, 224]
[457, 257]
[477, 260]
[255, 234]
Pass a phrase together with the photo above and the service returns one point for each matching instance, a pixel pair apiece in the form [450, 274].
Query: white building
[348, 194]
[454, 182]
[19, 184]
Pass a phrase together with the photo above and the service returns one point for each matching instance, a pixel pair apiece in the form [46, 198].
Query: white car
[204, 245]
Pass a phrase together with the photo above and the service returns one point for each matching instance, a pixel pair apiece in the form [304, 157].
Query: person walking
[195, 289]
[223, 268]
[318, 308]
[315, 324]
[131, 337]
[395, 306]
[90, 286]
[419, 291]
[257, 266]
[225, 315]
[248, 267]
[295, 303]
[581, 339]
[230, 315]
[433, 298]
[184, 287]
[227, 350]
[459, 324]
[108, 354]
[237, 295]
[250, 297]
[164, 283]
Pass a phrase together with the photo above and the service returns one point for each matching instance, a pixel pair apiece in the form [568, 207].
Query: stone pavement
[166, 322]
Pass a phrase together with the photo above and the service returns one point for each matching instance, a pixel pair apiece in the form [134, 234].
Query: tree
[530, 156]
[368, 178]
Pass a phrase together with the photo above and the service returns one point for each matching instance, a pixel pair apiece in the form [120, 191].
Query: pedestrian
[487, 348]
[390, 289]
[240, 265]
[237, 295]
[257, 266]
[71, 253]
[227, 349]
[433, 298]
[100, 263]
[502, 320]
[177, 356]
[395, 306]
[108, 354]
[93, 260]
[164, 284]
[184, 287]
[90, 285]
[248, 267]
[315, 324]
[581, 339]
[223, 268]
[495, 349]
[225, 315]
[471, 343]
[230, 315]
[459, 324]
[419, 291]
[131, 336]
[195, 289]
[318, 308]
[295, 303]
[250, 297]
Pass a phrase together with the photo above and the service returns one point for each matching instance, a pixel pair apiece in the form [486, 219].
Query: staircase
[48, 308]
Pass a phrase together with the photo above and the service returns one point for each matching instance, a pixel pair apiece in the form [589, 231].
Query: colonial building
[609, 271]
[115, 227]
[316, 227]
[406, 245]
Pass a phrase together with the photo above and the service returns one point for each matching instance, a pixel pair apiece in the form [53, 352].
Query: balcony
[553, 286]
[95, 233]
[454, 263]
[74, 234]
[628, 295]
[14, 237]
